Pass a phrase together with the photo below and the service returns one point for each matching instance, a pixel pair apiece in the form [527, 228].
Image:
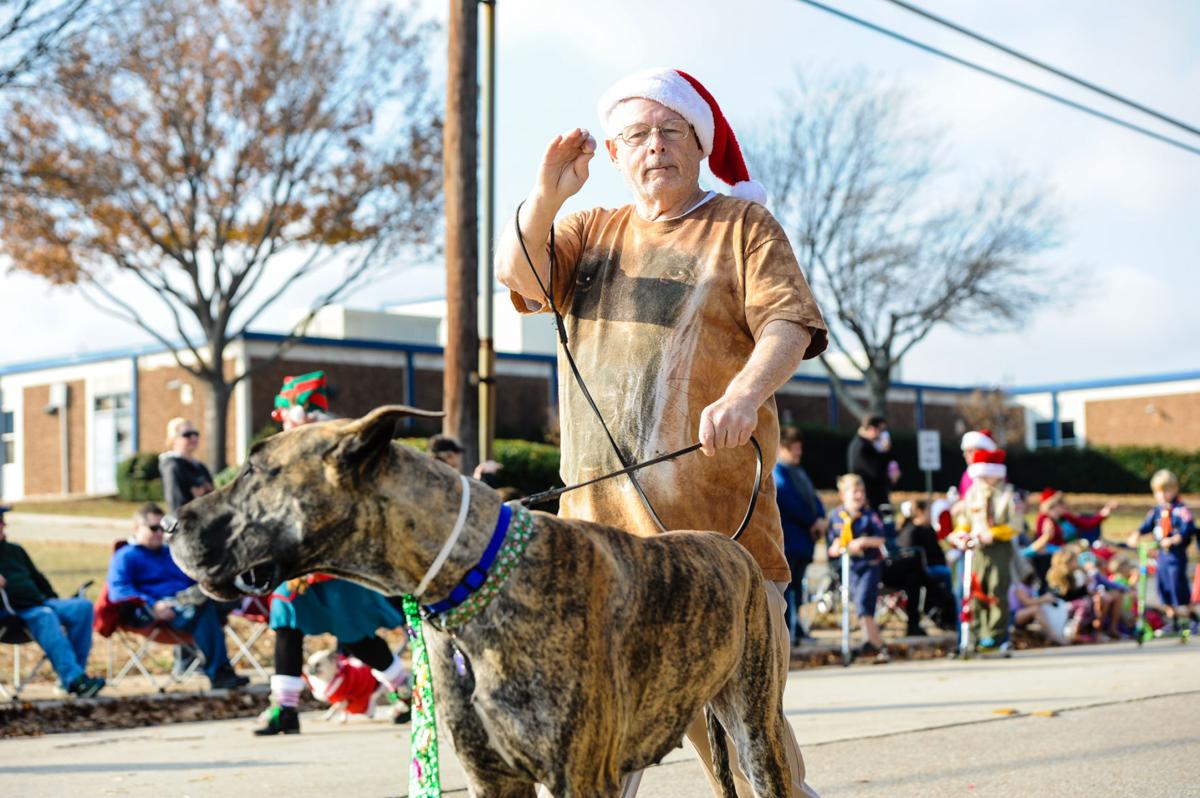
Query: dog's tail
[720, 753]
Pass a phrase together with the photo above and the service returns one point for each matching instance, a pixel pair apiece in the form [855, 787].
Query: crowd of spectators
[1057, 579]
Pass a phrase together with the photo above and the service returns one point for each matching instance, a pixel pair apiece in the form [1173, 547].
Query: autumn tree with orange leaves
[32, 31]
[220, 152]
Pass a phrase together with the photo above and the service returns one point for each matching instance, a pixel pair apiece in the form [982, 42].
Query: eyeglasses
[638, 134]
[190, 434]
[155, 527]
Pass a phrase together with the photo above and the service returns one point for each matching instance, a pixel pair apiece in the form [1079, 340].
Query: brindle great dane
[587, 666]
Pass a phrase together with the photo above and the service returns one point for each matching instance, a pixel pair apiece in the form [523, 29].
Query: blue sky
[1132, 205]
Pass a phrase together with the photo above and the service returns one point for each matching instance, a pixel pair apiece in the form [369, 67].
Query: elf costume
[318, 603]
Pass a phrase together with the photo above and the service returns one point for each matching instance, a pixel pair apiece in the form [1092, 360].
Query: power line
[1042, 65]
[1007, 79]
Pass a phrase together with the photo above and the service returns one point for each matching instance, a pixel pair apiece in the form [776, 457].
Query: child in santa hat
[1057, 526]
[992, 517]
[976, 440]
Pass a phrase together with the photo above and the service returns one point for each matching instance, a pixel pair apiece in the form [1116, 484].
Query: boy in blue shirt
[1173, 527]
[856, 529]
[144, 569]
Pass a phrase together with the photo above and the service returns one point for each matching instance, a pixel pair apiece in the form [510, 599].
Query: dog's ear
[367, 441]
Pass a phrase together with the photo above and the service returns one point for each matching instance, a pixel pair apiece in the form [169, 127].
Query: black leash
[561, 327]
[547, 495]
[627, 467]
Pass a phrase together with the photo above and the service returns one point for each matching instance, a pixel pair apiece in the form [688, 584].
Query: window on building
[1044, 433]
[8, 437]
[112, 401]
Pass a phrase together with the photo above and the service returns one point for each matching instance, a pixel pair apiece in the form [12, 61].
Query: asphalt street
[1110, 720]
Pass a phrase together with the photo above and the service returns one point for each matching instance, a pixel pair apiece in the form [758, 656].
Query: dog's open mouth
[258, 580]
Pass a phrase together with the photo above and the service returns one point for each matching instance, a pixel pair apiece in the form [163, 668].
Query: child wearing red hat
[1056, 526]
[992, 516]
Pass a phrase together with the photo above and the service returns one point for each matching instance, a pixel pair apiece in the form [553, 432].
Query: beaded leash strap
[424, 775]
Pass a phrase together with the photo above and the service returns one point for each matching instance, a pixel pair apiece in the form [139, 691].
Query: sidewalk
[66, 528]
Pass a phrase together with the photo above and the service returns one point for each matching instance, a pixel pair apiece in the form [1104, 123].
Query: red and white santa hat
[987, 463]
[979, 439]
[685, 95]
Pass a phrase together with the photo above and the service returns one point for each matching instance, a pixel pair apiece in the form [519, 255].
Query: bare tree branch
[31, 30]
[861, 190]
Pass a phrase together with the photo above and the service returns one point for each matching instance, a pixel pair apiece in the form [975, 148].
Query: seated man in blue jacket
[803, 518]
[144, 569]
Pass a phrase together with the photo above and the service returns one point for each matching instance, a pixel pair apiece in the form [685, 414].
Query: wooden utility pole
[459, 173]
[487, 348]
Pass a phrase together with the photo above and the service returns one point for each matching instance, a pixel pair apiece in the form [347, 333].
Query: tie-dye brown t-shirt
[660, 317]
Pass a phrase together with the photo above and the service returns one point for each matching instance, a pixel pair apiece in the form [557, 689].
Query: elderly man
[684, 312]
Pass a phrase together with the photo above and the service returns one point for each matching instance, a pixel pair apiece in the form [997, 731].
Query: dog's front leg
[488, 775]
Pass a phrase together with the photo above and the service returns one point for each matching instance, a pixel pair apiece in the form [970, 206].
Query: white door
[104, 442]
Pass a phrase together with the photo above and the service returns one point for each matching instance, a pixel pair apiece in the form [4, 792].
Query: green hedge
[1117, 469]
[138, 479]
[1122, 469]
[529, 467]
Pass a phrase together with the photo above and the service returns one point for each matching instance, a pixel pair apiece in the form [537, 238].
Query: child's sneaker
[278, 720]
[882, 657]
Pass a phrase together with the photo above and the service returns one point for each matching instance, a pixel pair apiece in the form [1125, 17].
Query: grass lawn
[105, 507]
[67, 565]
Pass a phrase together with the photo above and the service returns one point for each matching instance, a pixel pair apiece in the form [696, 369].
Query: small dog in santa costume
[349, 687]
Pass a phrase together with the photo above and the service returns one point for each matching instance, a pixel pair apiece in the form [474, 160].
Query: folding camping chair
[14, 632]
[256, 612]
[893, 602]
[130, 624]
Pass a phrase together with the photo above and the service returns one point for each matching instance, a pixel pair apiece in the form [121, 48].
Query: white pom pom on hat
[687, 97]
[979, 439]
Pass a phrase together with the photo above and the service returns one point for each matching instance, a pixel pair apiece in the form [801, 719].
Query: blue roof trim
[1114, 382]
[82, 359]
[389, 346]
[901, 386]
[392, 346]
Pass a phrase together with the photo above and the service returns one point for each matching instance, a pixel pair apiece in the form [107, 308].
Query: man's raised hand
[564, 167]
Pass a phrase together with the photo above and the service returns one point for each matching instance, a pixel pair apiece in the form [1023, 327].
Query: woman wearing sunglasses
[184, 476]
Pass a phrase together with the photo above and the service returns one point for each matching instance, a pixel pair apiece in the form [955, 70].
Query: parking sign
[929, 450]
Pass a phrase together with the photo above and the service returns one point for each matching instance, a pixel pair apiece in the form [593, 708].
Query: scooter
[1142, 632]
[965, 646]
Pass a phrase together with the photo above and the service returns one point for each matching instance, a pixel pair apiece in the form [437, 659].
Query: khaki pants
[697, 733]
